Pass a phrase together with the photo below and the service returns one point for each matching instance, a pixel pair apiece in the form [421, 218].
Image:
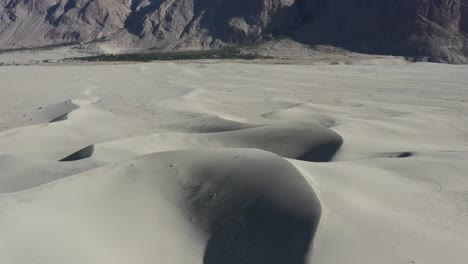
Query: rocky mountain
[436, 29]
[432, 29]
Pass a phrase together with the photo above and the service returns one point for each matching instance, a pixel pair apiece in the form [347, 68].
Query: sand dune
[205, 124]
[304, 141]
[234, 163]
[53, 113]
[302, 112]
[19, 173]
[83, 127]
[188, 205]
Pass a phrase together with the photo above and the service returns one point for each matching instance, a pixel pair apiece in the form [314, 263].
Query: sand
[222, 162]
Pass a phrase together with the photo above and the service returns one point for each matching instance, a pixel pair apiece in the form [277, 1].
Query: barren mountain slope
[35, 23]
[144, 23]
[429, 29]
[434, 28]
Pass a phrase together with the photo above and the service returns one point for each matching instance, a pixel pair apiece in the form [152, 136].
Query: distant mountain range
[436, 30]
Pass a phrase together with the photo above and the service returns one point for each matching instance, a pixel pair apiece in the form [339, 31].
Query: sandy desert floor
[217, 162]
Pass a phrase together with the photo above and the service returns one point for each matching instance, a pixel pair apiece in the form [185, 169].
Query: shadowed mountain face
[435, 29]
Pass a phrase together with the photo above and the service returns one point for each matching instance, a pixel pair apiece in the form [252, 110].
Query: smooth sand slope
[234, 163]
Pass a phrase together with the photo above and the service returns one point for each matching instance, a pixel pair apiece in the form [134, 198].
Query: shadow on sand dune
[323, 152]
[60, 118]
[254, 206]
[84, 153]
[261, 234]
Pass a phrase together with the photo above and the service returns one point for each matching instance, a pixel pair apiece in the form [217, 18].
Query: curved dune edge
[174, 201]
[54, 113]
[206, 124]
[83, 153]
[305, 141]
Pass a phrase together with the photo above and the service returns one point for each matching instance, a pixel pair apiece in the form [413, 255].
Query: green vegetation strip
[229, 53]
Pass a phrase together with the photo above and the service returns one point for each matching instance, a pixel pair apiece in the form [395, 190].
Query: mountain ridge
[434, 30]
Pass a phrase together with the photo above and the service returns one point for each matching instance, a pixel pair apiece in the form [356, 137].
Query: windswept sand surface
[234, 163]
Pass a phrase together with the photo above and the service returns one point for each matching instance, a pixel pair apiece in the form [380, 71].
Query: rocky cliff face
[41, 22]
[432, 28]
[204, 23]
[165, 24]
[441, 29]
[436, 29]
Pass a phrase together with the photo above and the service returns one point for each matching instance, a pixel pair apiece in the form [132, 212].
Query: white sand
[168, 171]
